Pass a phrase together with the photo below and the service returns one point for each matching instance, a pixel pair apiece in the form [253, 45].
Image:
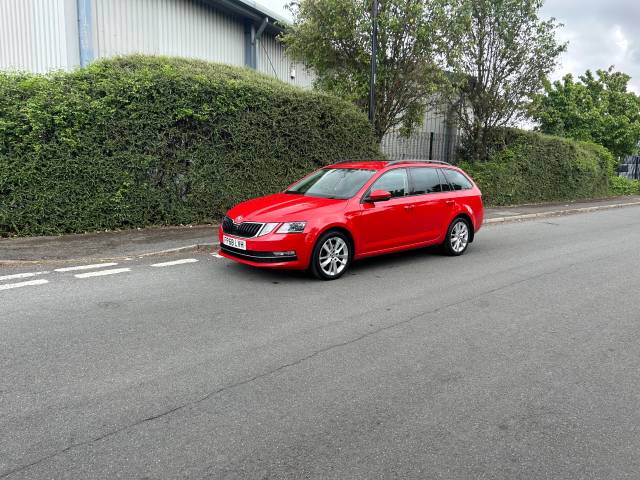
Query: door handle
[449, 202]
[408, 207]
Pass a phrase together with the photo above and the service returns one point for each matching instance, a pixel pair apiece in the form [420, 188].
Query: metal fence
[630, 167]
[436, 139]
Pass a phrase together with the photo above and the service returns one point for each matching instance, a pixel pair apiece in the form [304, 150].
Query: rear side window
[425, 180]
[394, 182]
[457, 180]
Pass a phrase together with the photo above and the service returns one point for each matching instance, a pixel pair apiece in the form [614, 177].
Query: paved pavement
[164, 240]
[519, 359]
[103, 245]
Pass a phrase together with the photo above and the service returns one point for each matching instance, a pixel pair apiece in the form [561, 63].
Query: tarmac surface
[519, 359]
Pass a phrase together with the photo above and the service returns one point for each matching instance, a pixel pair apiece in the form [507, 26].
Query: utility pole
[374, 66]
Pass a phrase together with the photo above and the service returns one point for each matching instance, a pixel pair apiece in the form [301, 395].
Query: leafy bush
[531, 167]
[140, 140]
[624, 186]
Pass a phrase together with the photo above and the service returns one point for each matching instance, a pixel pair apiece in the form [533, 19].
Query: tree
[333, 37]
[505, 54]
[594, 108]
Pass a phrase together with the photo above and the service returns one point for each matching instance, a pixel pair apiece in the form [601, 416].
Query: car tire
[332, 255]
[458, 237]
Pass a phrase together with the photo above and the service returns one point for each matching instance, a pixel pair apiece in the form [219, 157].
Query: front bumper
[260, 250]
[257, 256]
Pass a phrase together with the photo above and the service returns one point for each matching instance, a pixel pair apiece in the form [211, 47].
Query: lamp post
[374, 48]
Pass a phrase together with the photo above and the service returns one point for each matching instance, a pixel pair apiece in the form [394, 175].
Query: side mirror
[378, 196]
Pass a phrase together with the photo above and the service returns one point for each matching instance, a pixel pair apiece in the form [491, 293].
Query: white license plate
[234, 242]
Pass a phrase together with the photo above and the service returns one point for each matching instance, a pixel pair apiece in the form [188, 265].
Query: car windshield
[339, 183]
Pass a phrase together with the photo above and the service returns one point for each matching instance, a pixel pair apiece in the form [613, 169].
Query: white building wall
[42, 35]
[167, 27]
[38, 35]
[272, 60]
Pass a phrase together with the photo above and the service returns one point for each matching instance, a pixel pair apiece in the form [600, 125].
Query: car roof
[380, 164]
[365, 164]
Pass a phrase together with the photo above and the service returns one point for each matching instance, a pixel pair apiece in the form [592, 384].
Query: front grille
[227, 225]
[244, 229]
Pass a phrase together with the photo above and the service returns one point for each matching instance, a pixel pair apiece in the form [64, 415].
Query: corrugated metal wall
[272, 61]
[167, 27]
[187, 29]
[38, 35]
[42, 35]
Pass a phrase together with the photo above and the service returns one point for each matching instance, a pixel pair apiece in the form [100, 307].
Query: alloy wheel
[459, 237]
[334, 256]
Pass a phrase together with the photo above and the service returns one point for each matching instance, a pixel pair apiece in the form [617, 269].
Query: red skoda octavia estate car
[353, 210]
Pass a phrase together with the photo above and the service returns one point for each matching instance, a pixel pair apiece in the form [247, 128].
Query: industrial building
[45, 35]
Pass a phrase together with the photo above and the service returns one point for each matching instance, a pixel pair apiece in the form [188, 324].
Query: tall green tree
[597, 108]
[333, 37]
[505, 54]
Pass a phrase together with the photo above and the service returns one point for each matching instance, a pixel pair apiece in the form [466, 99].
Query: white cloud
[600, 34]
[278, 6]
[621, 41]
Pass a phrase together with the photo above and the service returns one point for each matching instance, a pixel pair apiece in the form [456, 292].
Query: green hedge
[139, 140]
[530, 167]
[624, 186]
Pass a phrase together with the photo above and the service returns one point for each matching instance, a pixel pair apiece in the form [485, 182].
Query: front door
[387, 224]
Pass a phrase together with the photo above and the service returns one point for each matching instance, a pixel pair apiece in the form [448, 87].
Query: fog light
[288, 253]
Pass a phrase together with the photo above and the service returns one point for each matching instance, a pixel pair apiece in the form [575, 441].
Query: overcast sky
[600, 33]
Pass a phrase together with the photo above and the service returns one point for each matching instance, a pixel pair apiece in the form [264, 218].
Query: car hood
[284, 207]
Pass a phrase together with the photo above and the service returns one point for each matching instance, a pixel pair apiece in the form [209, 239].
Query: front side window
[395, 182]
[339, 183]
[457, 180]
[425, 180]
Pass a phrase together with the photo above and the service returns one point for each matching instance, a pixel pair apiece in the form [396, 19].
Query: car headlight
[267, 228]
[292, 227]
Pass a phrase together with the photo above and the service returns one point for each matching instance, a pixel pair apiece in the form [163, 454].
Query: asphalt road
[518, 360]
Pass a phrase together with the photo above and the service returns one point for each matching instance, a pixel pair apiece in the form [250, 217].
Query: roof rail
[395, 162]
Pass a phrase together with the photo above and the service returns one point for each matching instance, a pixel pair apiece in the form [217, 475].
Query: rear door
[387, 224]
[431, 200]
[463, 194]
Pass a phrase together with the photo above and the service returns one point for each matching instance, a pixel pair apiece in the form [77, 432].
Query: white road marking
[217, 255]
[22, 275]
[23, 284]
[85, 267]
[113, 271]
[175, 262]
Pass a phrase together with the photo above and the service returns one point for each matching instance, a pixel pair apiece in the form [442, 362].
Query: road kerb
[186, 248]
[555, 213]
